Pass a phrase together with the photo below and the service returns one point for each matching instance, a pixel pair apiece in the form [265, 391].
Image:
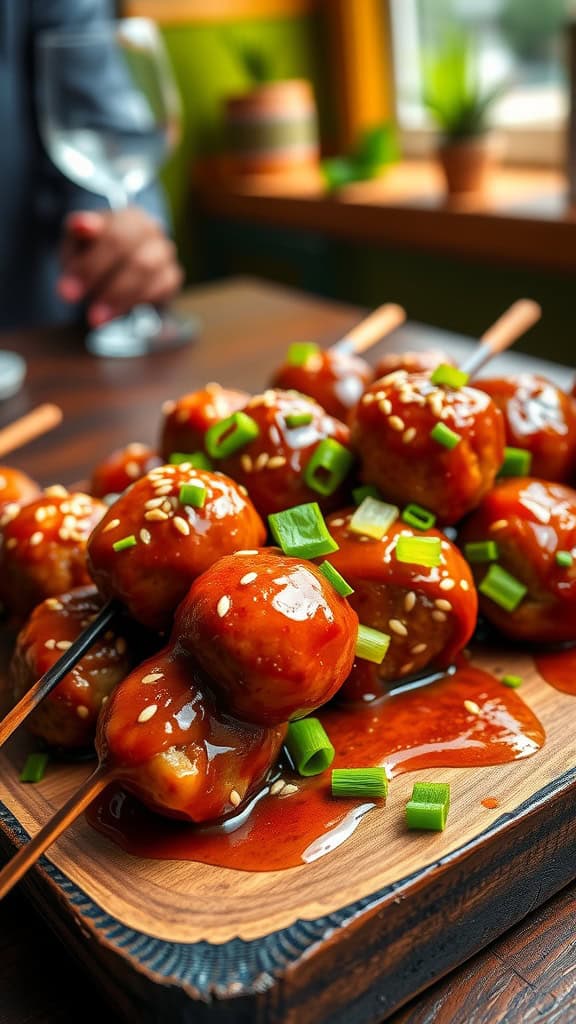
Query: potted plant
[460, 106]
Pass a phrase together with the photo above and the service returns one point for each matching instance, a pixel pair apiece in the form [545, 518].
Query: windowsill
[524, 219]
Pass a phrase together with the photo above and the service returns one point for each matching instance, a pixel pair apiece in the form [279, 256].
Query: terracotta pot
[468, 163]
[273, 127]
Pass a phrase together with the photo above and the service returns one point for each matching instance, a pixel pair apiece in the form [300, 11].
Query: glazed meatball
[122, 468]
[169, 527]
[187, 420]
[530, 522]
[43, 547]
[66, 718]
[334, 379]
[16, 488]
[437, 446]
[425, 361]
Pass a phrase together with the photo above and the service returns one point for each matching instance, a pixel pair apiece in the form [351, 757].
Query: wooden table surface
[528, 975]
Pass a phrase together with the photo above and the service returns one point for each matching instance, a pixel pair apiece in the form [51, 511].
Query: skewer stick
[35, 423]
[522, 315]
[370, 330]
[30, 853]
[54, 675]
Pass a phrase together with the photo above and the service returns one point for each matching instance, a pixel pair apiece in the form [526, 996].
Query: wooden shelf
[524, 220]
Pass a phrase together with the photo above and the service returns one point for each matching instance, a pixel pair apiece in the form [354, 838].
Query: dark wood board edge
[356, 965]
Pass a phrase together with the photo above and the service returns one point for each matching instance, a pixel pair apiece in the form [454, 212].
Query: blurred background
[411, 150]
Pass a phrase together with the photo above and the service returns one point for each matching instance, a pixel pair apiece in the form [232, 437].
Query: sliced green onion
[365, 491]
[360, 782]
[428, 806]
[517, 462]
[300, 352]
[418, 517]
[450, 376]
[124, 543]
[34, 768]
[373, 518]
[419, 550]
[371, 644]
[482, 551]
[192, 494]
[502, 588]
[309, 746]
[298, 419]
[337, 581]
[228, 435]
[302, 532]
[196, 459]
[512, 681]
[444, 436]
[329, 465]
[564, 559]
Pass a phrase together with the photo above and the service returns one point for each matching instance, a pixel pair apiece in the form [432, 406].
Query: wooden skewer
[29, 854]
[35, 423]
[54, 675]
[522, 315]
[370, 330]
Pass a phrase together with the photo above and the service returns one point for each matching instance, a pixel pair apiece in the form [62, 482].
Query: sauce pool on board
[463, 719]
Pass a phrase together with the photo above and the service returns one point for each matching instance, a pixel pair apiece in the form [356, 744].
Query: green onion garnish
[371, 644]
[373, 518]
[360, 782]
[564, 559]
[124, 543]
[450, 376]
[196, 459]
[428, 806]
[298, 419]
[419, 550]
[300, 352]
[302, 532]
[309, 746]
[228, 435]
[444, 436]
[418, 517]
[34, 768]
[502, 588]
[337, 581]
[512, 681]
[192, 494]
[482, 551]
[517, 462]
[329, 465]
[365, 491]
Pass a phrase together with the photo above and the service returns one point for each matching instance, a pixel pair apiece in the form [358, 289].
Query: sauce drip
[425, 726]
[559, 669]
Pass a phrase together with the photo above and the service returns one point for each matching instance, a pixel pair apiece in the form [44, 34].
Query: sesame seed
[166, 506]
[56, 491]
[36, 538]
[289, 789]
[152, 677]
[500, 524]
[121, 645]
[276, 462]
[242, 490]
[235, 797]
[185, 467]
[397, 627]
[64, 534]
[54, 604]
[155, 515]
[153, 502]
[40, 514]
[443, 605]
[223, 606]
[145, 536]
[409, 435]
[147, 713]
[405, 669]
[464, 585]
[63, 645]
[3, 482]
[396, 423]
[111, 525]
[50, 644]
[132, 470]
[11, 542]
[436, 403]
[368, 399]
[277, 786]
[439, 616]
[82, 711]
[418, 648]
[181, 525]
[472, 707]
[385, 406]
[163, 489]
[168, 406]
[248, 578]
[136, 448]
[247, 551]
[246, 462]
[409, 601]
[261, 461]
[447, 584]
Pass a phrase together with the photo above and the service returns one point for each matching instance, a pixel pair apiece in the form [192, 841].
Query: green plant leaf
[452, 92]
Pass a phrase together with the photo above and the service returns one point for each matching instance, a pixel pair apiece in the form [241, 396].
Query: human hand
[116, 259]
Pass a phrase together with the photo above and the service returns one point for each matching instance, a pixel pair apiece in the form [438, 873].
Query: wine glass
[109, 117]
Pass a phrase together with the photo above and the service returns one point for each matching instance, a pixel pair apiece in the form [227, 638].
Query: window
[520, 42]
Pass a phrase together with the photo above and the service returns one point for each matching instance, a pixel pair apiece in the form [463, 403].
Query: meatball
[16, 487]
[425, 361]
[437, 446]
[43, 547]
[334, 379]
[273, 635]
[541, 418]
[66, 718]
[187, 420]
[530, 522]
[169, 527]
[122, 468]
